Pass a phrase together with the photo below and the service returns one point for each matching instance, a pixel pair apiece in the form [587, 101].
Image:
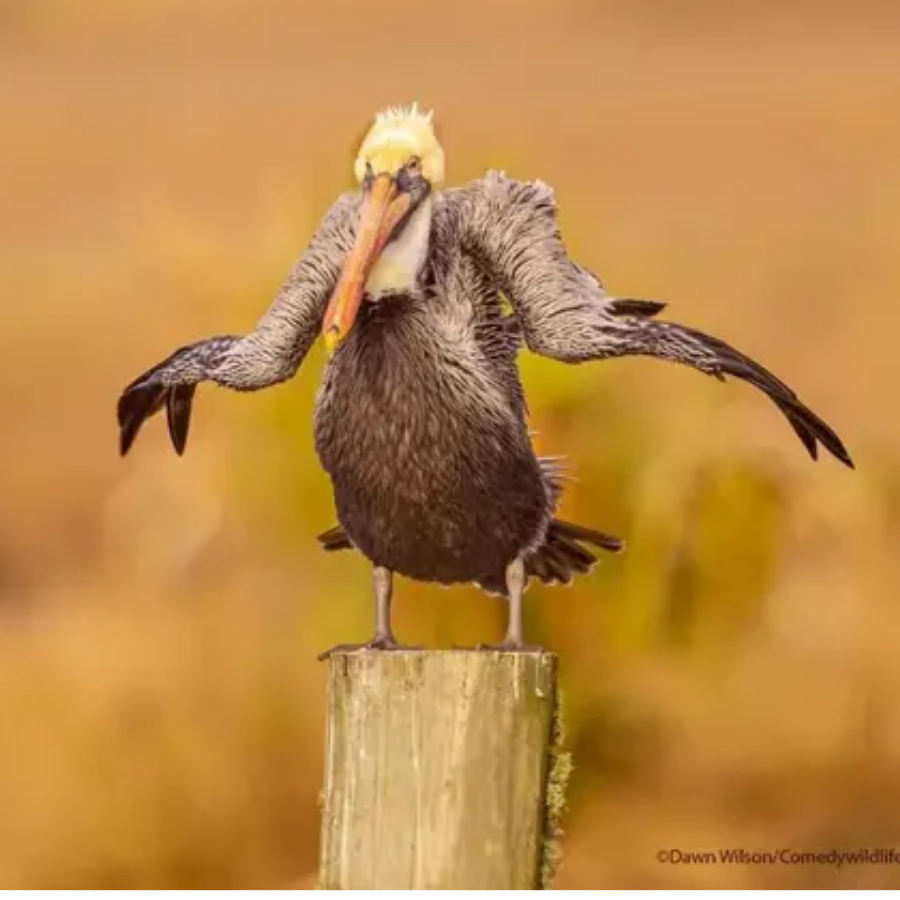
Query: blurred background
[731, 681]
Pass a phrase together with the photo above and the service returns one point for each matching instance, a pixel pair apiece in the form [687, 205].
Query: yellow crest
[398, 134]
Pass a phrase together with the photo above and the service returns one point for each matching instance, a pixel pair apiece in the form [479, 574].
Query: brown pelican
[420, 420]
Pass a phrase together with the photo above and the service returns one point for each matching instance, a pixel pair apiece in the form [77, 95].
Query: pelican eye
[410, 175]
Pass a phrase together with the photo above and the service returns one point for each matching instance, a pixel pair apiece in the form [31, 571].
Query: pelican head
[399, 163]
[400, 136]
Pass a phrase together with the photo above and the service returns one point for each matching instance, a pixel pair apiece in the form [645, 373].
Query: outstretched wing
[678, 343]
[565, 313]
[269, 354]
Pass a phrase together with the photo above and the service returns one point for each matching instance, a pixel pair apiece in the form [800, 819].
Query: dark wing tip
[839, 452]
[629, 306]
[178, 413]
[810, 428]
[135, 406]
[126, 439]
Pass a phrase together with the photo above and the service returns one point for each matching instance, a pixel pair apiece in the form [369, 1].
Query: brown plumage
[420, 419]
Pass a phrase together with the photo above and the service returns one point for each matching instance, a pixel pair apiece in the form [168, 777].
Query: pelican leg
[514, 642]
[383, 639]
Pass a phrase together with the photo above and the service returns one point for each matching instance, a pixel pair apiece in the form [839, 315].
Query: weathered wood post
[439, 770]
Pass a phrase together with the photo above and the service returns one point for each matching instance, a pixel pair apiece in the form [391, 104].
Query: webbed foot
[508, 646]
[380, 642]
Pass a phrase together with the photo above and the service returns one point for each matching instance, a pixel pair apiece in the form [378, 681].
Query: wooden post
[437, 769]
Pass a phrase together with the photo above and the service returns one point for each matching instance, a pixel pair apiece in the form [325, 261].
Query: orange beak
[383, 209]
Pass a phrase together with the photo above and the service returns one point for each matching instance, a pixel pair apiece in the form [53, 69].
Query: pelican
[420, 418]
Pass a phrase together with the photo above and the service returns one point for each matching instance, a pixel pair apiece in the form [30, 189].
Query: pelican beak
[385, 207]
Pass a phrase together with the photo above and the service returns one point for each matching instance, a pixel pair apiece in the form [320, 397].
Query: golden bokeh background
[731, 681]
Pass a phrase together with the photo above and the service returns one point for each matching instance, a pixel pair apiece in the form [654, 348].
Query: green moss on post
[561, 766]
[437, 771]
